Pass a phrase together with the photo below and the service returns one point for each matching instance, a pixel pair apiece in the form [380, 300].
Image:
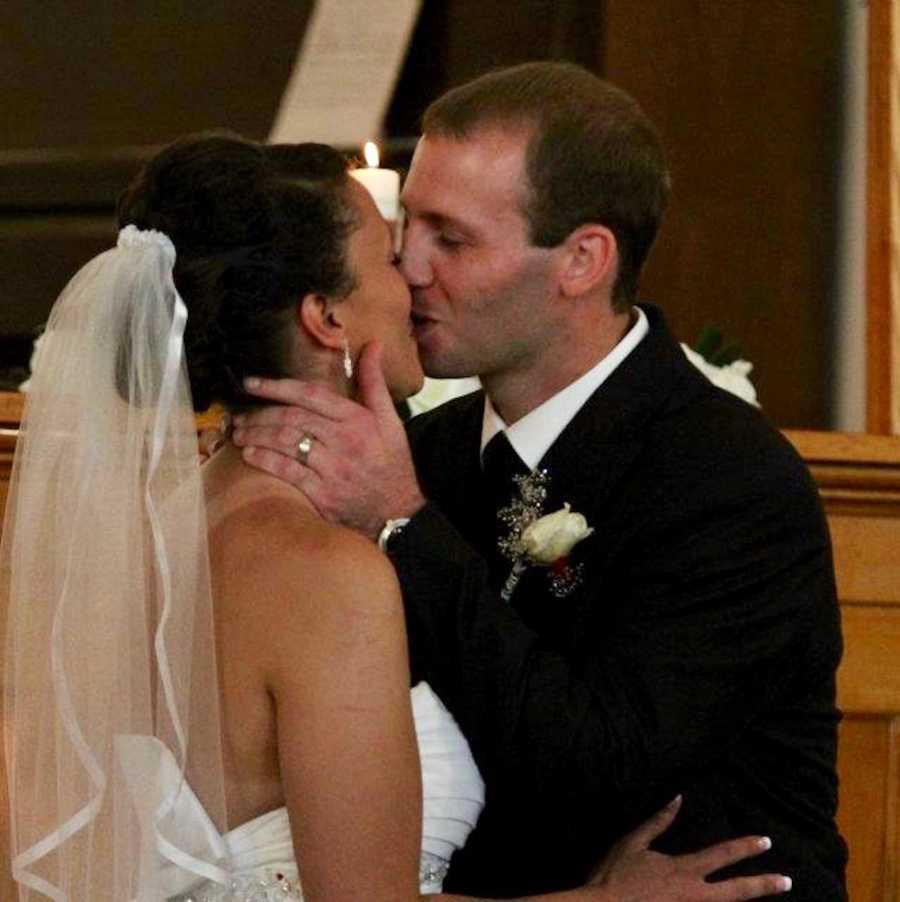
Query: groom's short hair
[592, 154]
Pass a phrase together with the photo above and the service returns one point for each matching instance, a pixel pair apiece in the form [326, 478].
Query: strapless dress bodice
[258, 856]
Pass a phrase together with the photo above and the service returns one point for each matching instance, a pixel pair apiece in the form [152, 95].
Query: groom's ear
[589, 261]
[321, 319]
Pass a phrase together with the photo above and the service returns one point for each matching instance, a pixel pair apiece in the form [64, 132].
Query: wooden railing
[859, 480]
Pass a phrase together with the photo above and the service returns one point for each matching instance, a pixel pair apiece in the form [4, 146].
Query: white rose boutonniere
[551, 537]
[543, 540]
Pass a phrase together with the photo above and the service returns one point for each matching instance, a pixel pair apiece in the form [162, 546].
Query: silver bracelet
[391, 528]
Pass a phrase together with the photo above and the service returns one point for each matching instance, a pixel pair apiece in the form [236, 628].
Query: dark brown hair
[592, 155]
[255, 228]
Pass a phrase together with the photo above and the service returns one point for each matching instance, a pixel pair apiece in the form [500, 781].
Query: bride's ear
[322, 320]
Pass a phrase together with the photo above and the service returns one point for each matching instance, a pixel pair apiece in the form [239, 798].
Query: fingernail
[764, 843]
[675, 801]
[249, 452]
[251, 382]
[785, 884]
[237, 435]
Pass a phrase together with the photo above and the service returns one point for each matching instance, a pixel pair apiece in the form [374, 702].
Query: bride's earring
[348, 360]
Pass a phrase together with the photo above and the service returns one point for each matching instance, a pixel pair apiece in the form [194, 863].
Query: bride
[208, 689]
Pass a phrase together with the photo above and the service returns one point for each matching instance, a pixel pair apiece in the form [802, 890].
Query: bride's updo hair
[255, 228]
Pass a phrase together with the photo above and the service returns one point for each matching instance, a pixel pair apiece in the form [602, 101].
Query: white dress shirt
[533, 435]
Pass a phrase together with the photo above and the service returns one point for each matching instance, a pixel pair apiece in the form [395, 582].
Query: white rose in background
[733, 378]
[438, 391]
[551, 537]
[33, 362]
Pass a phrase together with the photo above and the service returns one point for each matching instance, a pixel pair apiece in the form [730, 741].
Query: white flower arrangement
[733, 377]
[438, 391]
[33, 362]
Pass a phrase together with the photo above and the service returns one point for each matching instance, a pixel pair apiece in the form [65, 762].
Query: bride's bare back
[315, 686]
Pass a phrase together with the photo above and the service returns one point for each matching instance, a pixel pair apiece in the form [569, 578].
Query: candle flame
[371, 153]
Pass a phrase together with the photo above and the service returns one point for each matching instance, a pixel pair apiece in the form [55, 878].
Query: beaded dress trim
[283, 886]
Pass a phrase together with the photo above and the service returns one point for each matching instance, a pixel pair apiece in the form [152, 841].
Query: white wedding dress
[259, 855]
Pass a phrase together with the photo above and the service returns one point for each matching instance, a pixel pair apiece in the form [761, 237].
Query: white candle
[382, 184]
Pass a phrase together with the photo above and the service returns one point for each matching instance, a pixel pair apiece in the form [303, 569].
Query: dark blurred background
[747, 94]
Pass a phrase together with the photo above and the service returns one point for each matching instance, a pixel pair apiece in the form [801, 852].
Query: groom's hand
[358, 469]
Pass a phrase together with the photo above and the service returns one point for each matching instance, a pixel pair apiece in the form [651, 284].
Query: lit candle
[382, 184]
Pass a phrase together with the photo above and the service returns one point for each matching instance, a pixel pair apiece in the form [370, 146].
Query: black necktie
[500, 465]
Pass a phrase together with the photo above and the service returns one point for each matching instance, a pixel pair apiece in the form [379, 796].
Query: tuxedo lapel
[594, 454]
[596, 449]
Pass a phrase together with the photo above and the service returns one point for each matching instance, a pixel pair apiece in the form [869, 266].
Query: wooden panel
[859, 479]
[869, 677]
[868, 804]
[882, 328]
[746, 104]
[455, 40]
[56, 181]
[114, 75]
[867, 559]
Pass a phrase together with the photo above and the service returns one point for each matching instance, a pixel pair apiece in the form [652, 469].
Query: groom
[688, 642]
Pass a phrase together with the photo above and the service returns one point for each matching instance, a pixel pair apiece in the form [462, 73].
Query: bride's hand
[632, 872]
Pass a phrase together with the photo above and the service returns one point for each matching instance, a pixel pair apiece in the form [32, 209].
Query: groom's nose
[415, 263]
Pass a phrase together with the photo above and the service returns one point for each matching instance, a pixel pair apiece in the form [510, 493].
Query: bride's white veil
[112, 692]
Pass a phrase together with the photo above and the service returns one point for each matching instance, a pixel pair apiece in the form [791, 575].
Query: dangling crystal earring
[348, 360]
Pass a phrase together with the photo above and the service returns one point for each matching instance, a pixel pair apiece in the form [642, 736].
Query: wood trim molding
[855, 473]
[11, 404]
[883, 219]
[837, 459]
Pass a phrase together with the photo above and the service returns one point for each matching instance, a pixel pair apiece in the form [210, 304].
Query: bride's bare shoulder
[269, 548]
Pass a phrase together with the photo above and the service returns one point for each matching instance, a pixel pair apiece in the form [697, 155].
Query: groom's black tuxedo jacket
[696, 656]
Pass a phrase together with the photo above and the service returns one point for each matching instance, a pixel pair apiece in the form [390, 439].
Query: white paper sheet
[345, 72]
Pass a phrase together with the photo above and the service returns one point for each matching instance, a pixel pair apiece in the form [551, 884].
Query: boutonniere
[541, 540]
